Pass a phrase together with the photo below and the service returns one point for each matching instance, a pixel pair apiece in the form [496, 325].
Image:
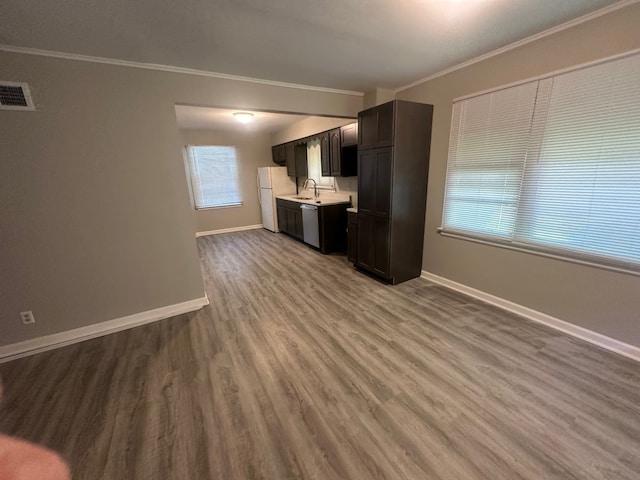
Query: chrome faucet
[305, 186]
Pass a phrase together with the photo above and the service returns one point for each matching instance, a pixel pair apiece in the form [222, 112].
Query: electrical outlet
[27, 317]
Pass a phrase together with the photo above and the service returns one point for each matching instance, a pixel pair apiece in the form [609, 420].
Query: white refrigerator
[273, 181]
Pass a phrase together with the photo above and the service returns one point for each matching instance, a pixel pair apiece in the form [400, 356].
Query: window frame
[602, 259]
[195, 188]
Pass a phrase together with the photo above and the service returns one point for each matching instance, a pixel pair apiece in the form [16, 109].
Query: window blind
[214, 176]
[559, 173]
[314, 165]
[489, 139]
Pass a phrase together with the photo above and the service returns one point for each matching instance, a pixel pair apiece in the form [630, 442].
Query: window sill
[217, 207]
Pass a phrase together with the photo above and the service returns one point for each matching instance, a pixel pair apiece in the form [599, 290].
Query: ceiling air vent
[15, 96]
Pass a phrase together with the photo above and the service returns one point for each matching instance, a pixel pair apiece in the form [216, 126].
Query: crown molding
[551, 31]
[168, 68]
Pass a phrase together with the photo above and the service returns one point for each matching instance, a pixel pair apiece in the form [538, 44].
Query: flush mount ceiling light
[243, 117]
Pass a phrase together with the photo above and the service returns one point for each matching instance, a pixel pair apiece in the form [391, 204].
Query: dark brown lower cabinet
[290, 218]
[352, 236]
[332, 224]
[372, 244]
[333, 227]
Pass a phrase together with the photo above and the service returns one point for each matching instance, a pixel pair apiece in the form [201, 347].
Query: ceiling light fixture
[243, 117]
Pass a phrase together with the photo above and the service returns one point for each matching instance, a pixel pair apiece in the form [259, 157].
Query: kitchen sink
[303, 198]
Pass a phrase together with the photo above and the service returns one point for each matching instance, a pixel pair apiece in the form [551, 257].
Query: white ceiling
[343, 44]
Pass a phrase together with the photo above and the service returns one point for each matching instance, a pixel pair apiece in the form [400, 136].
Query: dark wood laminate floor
[303, 368]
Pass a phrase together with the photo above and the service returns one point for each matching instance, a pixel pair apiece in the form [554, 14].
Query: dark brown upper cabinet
[343, 158]
[290, 155]
[295, 157]
[301, 158]
[278, 155]
[349, 135]
[376, 126]
[325, 162]
[338, 160]
[334, 152]
[338, 153]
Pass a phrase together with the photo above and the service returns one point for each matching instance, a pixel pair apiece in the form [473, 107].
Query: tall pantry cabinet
[394, 142]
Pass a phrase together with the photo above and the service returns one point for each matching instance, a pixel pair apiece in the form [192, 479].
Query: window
[552, 165]
[314, 166]
[214, 176]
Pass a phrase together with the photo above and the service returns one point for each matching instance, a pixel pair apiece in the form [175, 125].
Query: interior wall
[96, 217]
[378, 97]
[599, 300]
[252, 151]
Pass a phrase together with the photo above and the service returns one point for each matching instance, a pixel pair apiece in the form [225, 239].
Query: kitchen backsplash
[348, 185]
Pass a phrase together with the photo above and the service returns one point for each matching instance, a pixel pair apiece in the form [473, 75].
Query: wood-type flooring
[302, 367]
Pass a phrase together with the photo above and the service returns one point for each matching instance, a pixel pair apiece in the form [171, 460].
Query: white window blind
[488, 147]
[552, 165]
[214, 176]
[314, 163]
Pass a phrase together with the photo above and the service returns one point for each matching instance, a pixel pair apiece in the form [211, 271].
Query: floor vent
[15, 96]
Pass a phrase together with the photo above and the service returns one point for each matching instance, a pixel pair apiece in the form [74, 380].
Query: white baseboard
[57, 340]
[630, 351]
[228, 230]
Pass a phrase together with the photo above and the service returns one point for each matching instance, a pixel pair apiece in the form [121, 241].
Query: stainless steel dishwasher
[310, 230]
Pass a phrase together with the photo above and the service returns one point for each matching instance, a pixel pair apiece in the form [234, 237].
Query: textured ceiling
[344, 44]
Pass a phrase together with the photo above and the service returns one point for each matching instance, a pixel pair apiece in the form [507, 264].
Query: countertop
[352, 210]
[326, 199]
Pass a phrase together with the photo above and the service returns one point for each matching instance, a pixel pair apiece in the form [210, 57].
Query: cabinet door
[291, 221]
[324, 154]
[366, 181]
[367, 128]
[372, 244]
[384, 133]
[352, 236]
[334, 152]
[381, 246]
[374, 180]
[349, 135]
[375, 126]
[301, 160]
[283, 224]
[297, 215]
[383, 157]
[290, 156]
[365, 251]
[278, 154]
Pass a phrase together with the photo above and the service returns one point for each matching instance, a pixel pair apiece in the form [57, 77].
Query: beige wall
[378, 97]
[252, 151]
[95, 216]
[599, 300]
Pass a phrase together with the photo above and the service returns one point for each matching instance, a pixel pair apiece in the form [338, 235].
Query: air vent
[15, 96]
